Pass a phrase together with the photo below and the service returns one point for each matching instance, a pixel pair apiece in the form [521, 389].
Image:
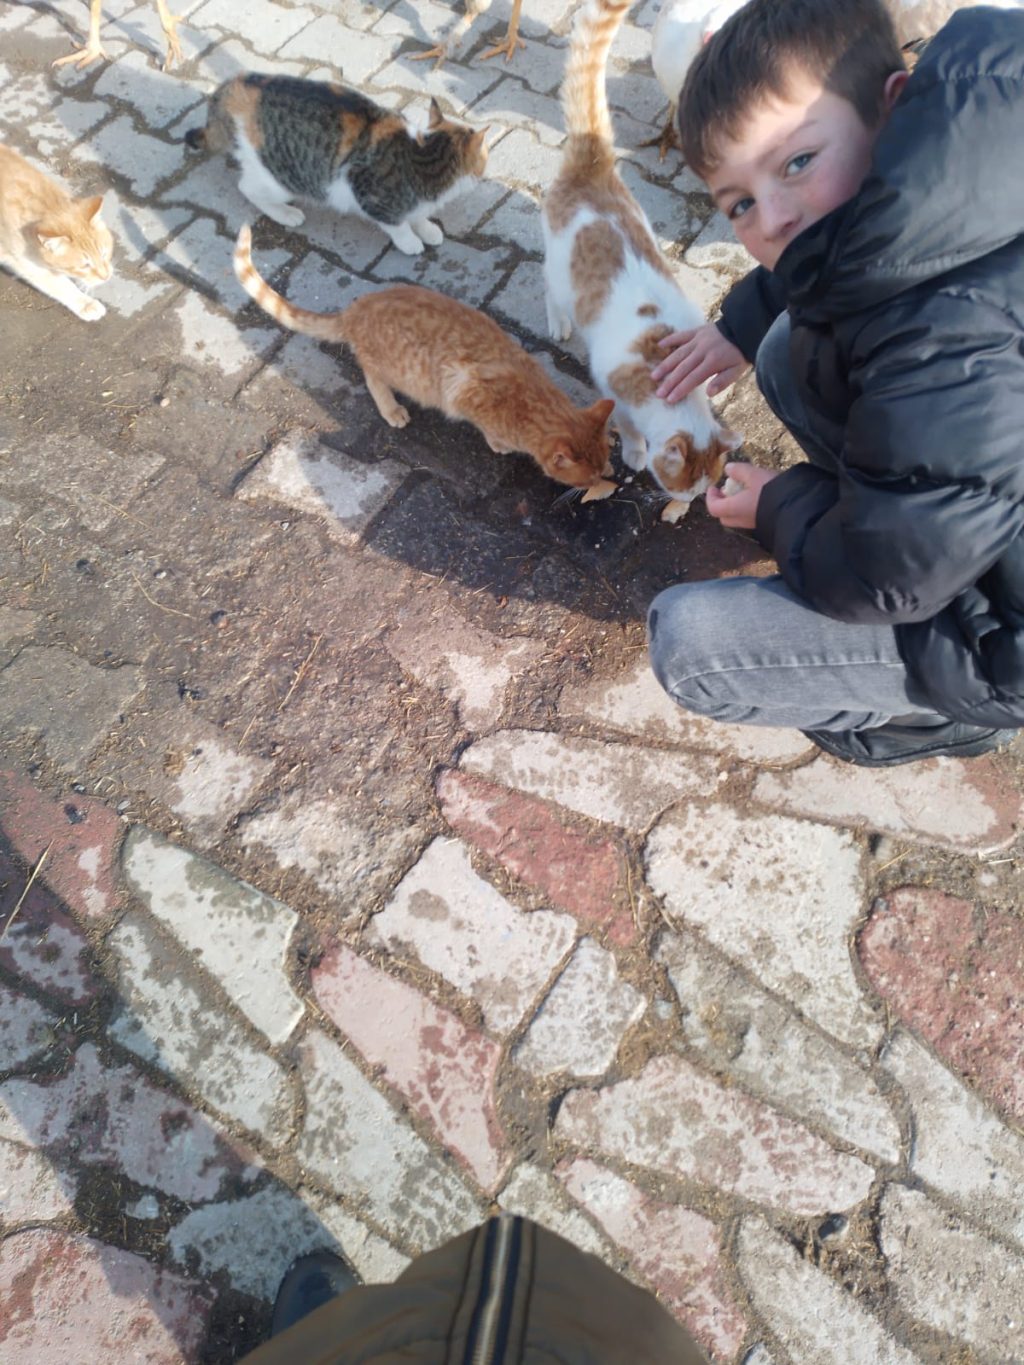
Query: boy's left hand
[739, 510]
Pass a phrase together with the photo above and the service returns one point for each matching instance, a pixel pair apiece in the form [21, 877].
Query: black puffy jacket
[907, 309]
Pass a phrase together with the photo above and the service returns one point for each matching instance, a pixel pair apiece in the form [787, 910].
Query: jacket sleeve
[929, 488]
[749, 309]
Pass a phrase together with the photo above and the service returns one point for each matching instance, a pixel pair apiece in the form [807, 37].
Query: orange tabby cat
[444, 354]
[50, 239]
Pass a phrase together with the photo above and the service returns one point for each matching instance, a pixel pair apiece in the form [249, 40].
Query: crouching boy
[886, 324]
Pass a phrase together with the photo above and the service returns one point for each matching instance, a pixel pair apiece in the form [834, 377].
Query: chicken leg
[472, 10]
[93, 50]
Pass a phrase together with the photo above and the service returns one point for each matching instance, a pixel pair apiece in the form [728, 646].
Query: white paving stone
[674, 1119]
[204, 251]
[617, 783]
[454, 268]
[780, 896]
[168, 1018]
[30, 1188]
[455, 86]
[960, 1148]
[471, 667]
[357, 55]
[579, 1026]
[639, 705]
[266, 24]
[216, 341]
[459, 926]
[811, 1316]
[347, 493]
[158, 96]
[521, 298]
[354, 1141]
[743, 1034]
[145, 161]
[26, 1028]
[214, 783]
[239, 935]
[511, 105]
[523, 162]
[532, 1193]
[254, 1240]
[952, 1278]
[63, 125]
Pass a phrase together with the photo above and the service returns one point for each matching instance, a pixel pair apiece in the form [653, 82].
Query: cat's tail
[325, 326]
[584, 101]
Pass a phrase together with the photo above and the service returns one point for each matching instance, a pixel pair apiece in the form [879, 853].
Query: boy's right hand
[699, 354]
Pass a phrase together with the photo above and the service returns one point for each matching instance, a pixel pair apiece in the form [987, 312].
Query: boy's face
[793, 161]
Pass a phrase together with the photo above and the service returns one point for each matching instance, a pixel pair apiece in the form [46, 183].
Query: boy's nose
[778, 216]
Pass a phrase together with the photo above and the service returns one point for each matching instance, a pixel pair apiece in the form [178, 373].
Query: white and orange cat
[444, 354]
[53, 242]
[605, 274]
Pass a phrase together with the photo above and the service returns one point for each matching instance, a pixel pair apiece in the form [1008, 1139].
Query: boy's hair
[848, 45]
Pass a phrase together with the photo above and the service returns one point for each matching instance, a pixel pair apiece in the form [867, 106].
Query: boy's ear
[893, 90]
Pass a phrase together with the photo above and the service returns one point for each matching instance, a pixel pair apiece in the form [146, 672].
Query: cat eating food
[53, 242]
[444, 354]
[328, 143]
[604, 272]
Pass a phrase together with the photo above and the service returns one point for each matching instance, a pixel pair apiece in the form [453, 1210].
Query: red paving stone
[113, 1116]
[955, 974]
[584, 874]
[78, 834]
[676, 1250]
[70, 1299]
[41, 942]
[445, 1070]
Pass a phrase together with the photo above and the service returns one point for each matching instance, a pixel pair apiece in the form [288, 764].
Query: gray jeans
[749, 651]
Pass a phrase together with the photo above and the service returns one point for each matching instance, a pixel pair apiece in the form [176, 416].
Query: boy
[886, 323]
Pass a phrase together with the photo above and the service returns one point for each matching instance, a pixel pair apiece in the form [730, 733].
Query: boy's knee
[675, 632]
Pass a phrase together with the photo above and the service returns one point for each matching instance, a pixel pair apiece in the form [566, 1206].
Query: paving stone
[956, 976]
[511, 104]
[677, 1251]
[14, 15]
[254, 1241]
[357, 55]
[214, 783]
[144, 161]
[30, 1189]
[959, 1148]
[455, 86]
[212, 185]
[301, 364]
[715, 248]
[469, 666]
[94, 482]
[207, 254]
[318, 284]
[541, 65]
[351, 1140]
[639, 705]
[267, 25]
[26, 1029]
[218, 342]
[575, 869]
[158, 96]
[807, 1311]
[446, 1072]
[779, 896]
[746, 1036]
[521, 299]
[239, 935]
[78, 835]
[353, 861]
[142, 26]
[42, 943]
[169, 1018]
[71, 1298]
[967, 804]
[616, 783]
[459, 926]
[673, 1119]
[64, 701]
[454, 268]
[532, 1193]
[580, 1025]
[522, 162]
[100, 1115]
[24, 97]
[64, 124]
[302, 473]
[138, 229]
[233, 58]
[667, 212]
[952, 1278]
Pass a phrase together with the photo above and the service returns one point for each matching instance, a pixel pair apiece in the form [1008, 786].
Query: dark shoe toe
[312, 1281]
[888, 745]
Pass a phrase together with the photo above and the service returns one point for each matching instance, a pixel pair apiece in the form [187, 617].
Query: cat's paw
[90, 310]
[634, 453]
[398, 416]
[411, 245]
[429, 232]
[288, 215]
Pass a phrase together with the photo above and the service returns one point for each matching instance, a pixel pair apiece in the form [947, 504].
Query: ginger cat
[51, 240]
[310, 140]
[604, 272]
[444, 354]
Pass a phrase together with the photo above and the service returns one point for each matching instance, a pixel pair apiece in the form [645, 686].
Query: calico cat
[51, 240]
[604, 272]
[446, 355]
[310, 140]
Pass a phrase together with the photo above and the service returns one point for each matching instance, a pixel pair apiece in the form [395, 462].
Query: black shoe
[312, 1281]
[886, 745]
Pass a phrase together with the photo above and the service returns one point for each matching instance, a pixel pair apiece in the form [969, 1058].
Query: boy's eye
[798, 162]
[740, 207]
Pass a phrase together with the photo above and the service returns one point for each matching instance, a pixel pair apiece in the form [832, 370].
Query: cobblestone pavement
[356, 876]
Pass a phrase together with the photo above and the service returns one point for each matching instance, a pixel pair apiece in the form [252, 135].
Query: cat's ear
[53, 242]
[436, 114]
[91, 207]
[561, 456]
[602, 410]
[671, 461]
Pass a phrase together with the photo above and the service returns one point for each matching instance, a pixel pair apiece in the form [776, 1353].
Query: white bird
[472, 9]
[680, 31]
[92, 50]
